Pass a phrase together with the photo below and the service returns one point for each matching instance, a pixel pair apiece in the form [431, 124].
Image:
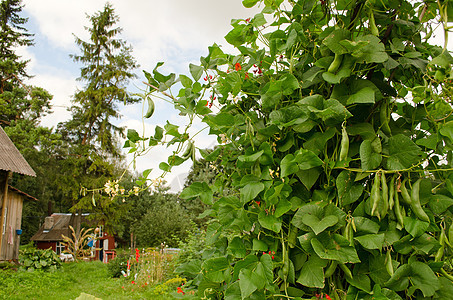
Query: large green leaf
[371, 241]
[312, 273]
[237, 247]
[439, 203]
[216, 269]
[198, 189]
[319, 225]
[306, 159]
[288, 165]
[414, 226]
[335, 248]
[423, 278]
[249, 282]
[370, 160]
[270, 221]
[403, 152]
[348, 191]
[447, 130]
[251, 191]
[373, 52]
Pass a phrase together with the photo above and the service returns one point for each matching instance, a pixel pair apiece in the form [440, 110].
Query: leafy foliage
[77, 243]
[334, 123]
[37, 259]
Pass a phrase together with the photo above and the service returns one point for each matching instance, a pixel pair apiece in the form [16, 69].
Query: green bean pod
[373, 28]
[450, 235]
[335, 63]
[384, 196]
[285, 268]
[331, 269]
[440, 252]
[446, 275]
[150, 110]
[384, 117]
[405, 193]
[375, 196]
[398, 212]
[346, 270]
[344, 147]
[392, 193]
[389, 263]
[292, 236]
[415, 203]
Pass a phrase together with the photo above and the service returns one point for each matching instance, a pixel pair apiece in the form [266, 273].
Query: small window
[59, 248]
[101, 231]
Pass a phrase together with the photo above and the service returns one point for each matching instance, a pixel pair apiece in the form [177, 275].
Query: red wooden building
[56, 225]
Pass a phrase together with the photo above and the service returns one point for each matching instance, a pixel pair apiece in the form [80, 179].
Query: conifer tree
[107, 68]
[94, 155]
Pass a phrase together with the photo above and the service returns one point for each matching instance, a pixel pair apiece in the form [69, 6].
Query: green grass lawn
[70, 281]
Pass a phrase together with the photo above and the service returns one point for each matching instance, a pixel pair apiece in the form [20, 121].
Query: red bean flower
[237, 67]
[180, 291]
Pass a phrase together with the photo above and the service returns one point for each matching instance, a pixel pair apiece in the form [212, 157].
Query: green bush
[32, 259]
[117, 265]
[190, 257]
[166, 221]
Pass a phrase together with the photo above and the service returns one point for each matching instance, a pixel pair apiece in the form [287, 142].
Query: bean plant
[335, 128]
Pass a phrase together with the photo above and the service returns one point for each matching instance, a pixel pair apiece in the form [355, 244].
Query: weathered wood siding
[11, 240]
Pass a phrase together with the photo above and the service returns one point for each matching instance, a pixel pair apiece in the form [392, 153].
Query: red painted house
[56, 225]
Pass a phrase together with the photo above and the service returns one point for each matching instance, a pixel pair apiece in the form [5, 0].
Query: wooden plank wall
[11, 240]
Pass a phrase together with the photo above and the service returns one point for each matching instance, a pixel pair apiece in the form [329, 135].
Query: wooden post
[5, 198]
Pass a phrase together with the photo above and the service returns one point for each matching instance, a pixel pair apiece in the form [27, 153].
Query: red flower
[258, 202]
[328, 298]
[247, 20]
[237, 67]
[179, 291]
[133, 282]
[246, 75]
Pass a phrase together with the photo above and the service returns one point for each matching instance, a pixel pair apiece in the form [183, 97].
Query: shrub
[189, 259]
[118, 264]
[37, 259]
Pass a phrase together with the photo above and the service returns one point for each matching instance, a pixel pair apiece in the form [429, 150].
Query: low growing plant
[118, 266]
[77, 243]
[32, 259]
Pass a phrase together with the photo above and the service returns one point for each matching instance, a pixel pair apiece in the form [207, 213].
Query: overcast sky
[176, 32]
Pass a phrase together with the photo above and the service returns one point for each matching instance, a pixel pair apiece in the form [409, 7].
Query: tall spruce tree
[107, 68]
[95, 154]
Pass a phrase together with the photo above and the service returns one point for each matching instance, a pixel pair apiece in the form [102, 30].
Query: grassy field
[70, 281]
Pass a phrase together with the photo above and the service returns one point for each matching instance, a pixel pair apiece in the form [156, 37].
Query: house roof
[10, 157]
[60, 226]
[22, 193]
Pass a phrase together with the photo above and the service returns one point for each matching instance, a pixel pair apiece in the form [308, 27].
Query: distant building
[56, 225]
[11, 199]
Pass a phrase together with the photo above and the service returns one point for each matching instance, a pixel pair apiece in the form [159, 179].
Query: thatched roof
[60, 226]
[10, 157]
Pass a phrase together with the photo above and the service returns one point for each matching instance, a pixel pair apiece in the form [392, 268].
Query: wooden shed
[11, 199]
